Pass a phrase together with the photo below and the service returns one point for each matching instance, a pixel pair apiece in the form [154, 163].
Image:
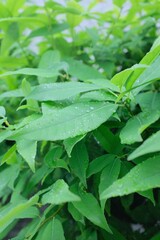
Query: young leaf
[142, 177]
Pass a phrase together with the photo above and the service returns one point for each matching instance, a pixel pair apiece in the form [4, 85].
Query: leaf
[45, 31]
[146, 60]
[22, 19]
[52, 158]
[10, 156]
[151, 74]
[142, 177]
[90, 208]
[136, 125]
[69, 143]
[31, 104]
[52, 230]
[14, 6]
[77, 216]
[71, 121]
[2, 112]
[104, 83]
[150, 145]
[109, 174]
[27, 149]
[81, 70]
[38, 71]
[99, 164]
[98, 96]
[60, 91]
[8, 176]
[7, 217]
[5, 134]
[109, 141]
[74, 18]
[79, 161]
[148, 101]
[12, 93]
[48, 61]
[148, 194]
[121, 78]
[59, 194]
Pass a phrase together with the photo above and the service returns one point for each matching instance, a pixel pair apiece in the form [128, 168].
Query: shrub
[79, 120]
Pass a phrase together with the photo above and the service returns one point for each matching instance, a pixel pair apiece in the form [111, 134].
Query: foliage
[79, 120]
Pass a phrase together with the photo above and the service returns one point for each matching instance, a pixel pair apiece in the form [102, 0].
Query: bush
[79, 120]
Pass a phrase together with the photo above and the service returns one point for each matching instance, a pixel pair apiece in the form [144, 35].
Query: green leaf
[5, 134]
[48, 61]
[121, 78]
[151, 74]
[148, 194]
[109, 175]
[8, 176]
[156, 237]
[150, 145]
[79, 161]
[81, 70]
[13, 93]
[38, 71]
[147, 59]
[99, 164]
[9, 216]
[148, 101]
[142, 177]
[52, 230]
[10, 37]
[60, 91]
[69, 143]
[90, 208]
[14, 6]
[71, 121]
[77, 216]
[10, 156]
[104, 83]
[109, 141]
[136, 125]
[52, 159]
[31, 104]
[59, 194]
[27, 149]
[45, 31]
[2, 112]
[74, 18]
